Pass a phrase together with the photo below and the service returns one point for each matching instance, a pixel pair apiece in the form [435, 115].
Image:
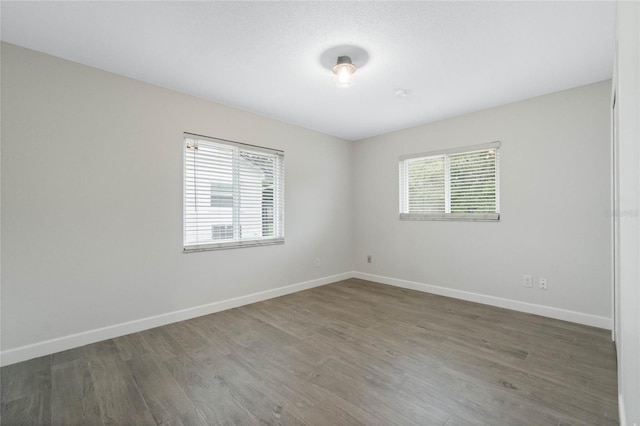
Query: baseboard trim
[24, 353]
[622, 414]
[530, 308]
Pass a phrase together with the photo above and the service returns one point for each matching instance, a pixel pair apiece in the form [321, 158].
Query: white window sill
[468, 217]
[231, 245]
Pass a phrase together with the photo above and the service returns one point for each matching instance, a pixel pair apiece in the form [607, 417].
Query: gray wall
[92, 204]
[92, 201]
[555, 197]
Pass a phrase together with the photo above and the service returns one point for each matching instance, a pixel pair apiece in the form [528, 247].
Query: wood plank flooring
[349, 353]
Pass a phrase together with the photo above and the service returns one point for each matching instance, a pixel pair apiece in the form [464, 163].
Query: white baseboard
[621, 411]
[23, 353]
[530, 308]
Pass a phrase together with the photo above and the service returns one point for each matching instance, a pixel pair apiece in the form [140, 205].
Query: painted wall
[628, 176]
[555, 201]
[92, 201]
[92, 204]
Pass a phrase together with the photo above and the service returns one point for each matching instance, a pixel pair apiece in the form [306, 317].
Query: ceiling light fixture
[344, 69]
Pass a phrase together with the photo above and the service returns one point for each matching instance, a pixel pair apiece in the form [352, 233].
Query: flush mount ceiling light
[349, 59]
[344, 69]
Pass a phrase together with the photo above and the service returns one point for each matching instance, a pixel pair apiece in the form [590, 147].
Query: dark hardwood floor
[352, 352]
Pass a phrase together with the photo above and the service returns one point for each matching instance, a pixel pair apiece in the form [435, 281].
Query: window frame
[403, 186]
[277, 206]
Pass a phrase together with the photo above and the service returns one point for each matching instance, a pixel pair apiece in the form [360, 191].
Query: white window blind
[233, 194]
[457, 184]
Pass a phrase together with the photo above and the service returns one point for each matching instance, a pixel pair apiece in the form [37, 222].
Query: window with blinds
[456, 184]
[233, 194]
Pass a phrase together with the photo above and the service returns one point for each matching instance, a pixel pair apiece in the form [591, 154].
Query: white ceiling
[266, 57]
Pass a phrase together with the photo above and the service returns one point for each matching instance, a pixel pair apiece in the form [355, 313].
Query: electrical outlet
[543, 283]
[317, 263]
[527, 280]
[369, 259]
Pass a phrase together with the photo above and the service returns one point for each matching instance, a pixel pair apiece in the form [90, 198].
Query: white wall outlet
[317, 262]
[527, 280]
[369, 259]
[543, 283]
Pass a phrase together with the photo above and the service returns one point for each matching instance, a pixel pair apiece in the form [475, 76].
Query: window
[221, 194]
[456, 184]
[233, 194]
[222, 232]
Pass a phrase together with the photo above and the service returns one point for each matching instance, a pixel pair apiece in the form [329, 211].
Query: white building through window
[233, 194]
[454, 184]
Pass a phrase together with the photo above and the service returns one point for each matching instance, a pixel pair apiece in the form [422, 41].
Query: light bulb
[344, 70]
[345, 78]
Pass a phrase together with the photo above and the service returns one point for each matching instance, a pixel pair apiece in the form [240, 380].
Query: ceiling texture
[274, 58]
